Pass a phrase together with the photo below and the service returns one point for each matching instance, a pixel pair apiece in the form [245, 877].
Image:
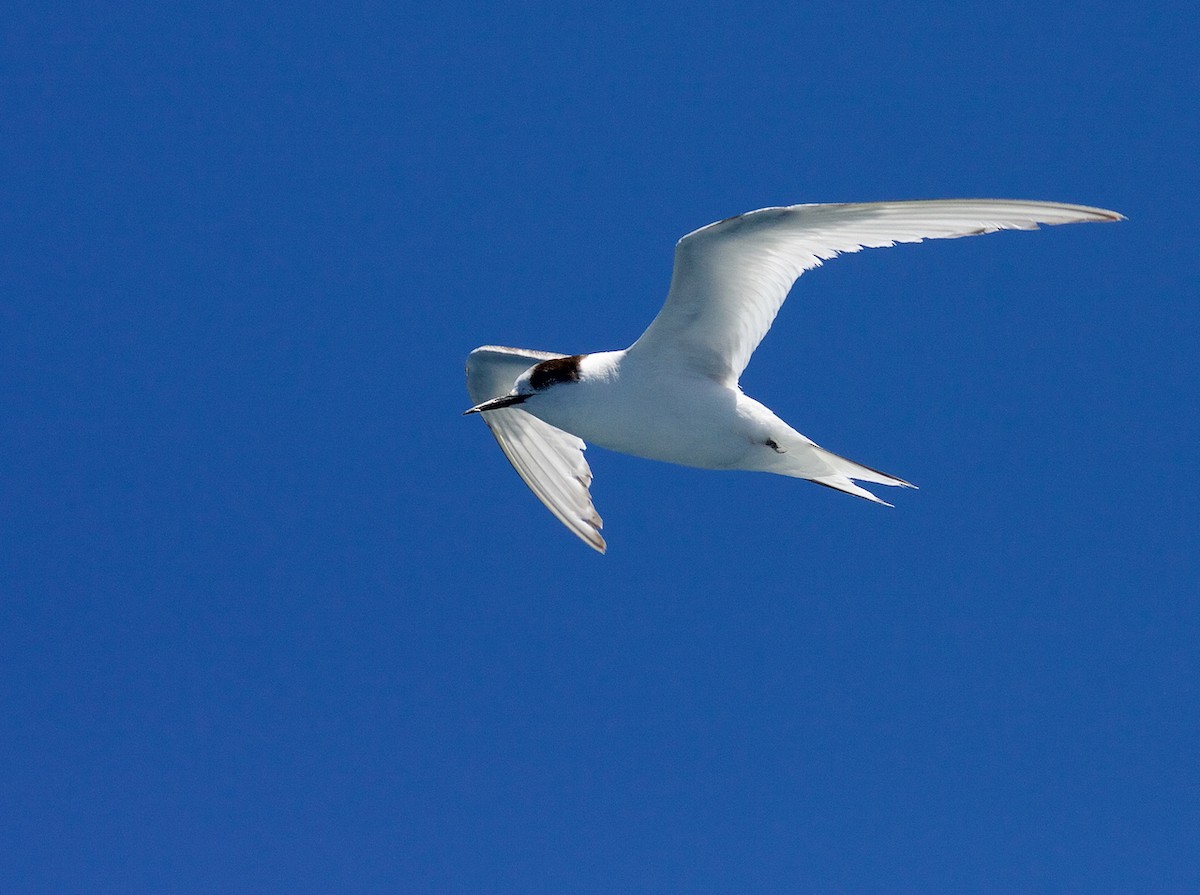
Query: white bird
[673, 395]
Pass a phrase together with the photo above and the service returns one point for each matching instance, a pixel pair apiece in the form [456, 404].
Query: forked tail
[842, 472]
[796, 456]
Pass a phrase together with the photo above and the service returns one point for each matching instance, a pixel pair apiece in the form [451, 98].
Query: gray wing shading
[548, 459]
[731, 277]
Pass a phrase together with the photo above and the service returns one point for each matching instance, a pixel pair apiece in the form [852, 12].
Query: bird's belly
[693, 429]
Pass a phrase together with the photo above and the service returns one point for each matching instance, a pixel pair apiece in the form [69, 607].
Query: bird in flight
[673, 395]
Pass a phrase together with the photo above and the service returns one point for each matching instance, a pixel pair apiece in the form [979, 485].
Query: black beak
[497, 403]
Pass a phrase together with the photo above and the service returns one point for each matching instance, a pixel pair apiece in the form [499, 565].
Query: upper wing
[548, 459]
[731, 277]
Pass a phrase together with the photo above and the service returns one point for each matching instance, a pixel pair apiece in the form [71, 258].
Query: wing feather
[548, 459]
[731, 277]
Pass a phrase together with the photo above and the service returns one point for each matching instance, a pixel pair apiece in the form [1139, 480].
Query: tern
[673, 395]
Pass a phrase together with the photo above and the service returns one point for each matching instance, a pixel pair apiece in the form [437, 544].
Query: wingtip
[1100, 215]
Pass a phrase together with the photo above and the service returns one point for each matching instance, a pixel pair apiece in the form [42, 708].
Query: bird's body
[634, 406]
[636, 409]
[674, 395]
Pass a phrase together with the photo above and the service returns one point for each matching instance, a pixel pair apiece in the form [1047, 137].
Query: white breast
[647, 412]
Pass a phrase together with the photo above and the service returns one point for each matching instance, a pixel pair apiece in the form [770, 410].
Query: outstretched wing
[548, 459]
[731, 277]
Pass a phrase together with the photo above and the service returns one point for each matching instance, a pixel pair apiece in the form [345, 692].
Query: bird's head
[536, 380]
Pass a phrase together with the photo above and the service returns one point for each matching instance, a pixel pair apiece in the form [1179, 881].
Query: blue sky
[276, 618]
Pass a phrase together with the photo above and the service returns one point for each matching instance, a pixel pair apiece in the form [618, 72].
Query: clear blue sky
[276, 618]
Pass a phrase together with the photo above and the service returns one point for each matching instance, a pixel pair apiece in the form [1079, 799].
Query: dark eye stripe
[552, 372]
